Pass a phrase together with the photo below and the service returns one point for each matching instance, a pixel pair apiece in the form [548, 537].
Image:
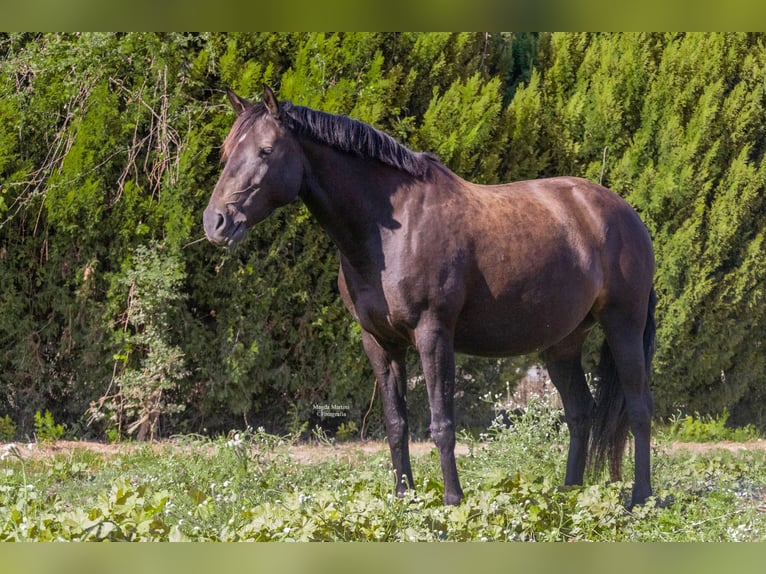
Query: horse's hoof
[638, 499]
[452, 499]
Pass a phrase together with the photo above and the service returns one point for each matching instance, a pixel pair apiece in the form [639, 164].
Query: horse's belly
[504, 341]
[517, 328]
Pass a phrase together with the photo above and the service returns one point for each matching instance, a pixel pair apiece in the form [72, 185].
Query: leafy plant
[321, 437]
[149, 366]
[7, 429]
[346, 431]
[706, 428]
[46, 430]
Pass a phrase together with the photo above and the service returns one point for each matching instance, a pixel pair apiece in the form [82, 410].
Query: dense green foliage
[695, 428]
[251, 486]
[109, 149]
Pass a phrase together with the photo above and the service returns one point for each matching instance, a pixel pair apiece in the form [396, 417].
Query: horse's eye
[266, 150]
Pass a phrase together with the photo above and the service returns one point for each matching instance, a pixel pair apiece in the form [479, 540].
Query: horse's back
[561, 218]
[547, 255]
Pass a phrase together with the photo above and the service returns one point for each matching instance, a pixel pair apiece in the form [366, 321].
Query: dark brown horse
[430, 261]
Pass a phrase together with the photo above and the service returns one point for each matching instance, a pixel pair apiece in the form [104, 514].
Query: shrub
[46, 429]
[7, 429]
[149, 365]
[706, 428]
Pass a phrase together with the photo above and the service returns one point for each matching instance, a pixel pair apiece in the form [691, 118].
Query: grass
[248, 487]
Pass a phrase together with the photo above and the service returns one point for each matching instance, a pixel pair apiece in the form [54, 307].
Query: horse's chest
[389, 295]
[387, 309]
[385, 316]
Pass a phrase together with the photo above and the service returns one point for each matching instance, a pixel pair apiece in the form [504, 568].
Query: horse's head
[263, 170]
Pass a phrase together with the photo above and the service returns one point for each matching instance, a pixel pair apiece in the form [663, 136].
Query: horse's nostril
[220, 221]
[215, 221]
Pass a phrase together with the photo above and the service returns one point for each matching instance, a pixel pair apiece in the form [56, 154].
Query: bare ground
[706, 447]
[311, 453]
[303, 453]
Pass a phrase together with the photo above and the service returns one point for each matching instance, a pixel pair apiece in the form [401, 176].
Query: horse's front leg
[435, 345]
[389, 367]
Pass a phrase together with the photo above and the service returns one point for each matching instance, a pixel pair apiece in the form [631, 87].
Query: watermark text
[332, 410]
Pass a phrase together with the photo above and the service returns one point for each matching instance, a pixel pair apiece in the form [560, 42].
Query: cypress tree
[110, 142]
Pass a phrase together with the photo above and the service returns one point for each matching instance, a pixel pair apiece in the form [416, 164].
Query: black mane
[339, 132]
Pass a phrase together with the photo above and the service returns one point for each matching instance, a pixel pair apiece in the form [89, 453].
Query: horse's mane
[339, 132]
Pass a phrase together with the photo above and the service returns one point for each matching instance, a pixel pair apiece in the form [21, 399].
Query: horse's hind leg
[563, 362]
[389, 367]
[624, 335]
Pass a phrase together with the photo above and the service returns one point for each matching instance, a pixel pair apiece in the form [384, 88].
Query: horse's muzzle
[221, 228]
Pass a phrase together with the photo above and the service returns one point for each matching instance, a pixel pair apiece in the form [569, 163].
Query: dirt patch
[311, 453]
[708, 447]
[349, 450]
[41, 450]
[303, 453]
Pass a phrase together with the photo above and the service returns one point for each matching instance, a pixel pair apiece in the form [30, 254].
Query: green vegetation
[247, 486]
[708, 429]
[7, 429]
[152, 286]
[109, 149]
[46, 429]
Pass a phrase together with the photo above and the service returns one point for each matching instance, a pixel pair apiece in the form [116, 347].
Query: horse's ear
[240, 105]
[271, 101]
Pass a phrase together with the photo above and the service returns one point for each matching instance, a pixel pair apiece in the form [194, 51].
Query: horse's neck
[352, 198]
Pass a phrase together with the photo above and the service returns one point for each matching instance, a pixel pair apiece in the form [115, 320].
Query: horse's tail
[609, 430]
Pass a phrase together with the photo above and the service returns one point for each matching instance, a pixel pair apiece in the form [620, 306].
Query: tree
[110, 142]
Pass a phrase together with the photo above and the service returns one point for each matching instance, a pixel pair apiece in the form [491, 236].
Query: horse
[433, 262]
